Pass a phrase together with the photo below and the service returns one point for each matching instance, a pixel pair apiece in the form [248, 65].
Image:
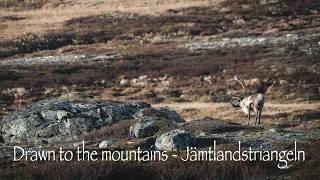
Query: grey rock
[144, 128]
[61, 114]
[145, 113]
[163, 112]
[279, 138]
[269, 1]
[58, 59]
[241, 133]
[175, 140]
[56, 120]
[225, 10]
[248, 41]
[276, 130]
[106, 143]
[273, 130]
[171, 114]
[1, 140]
[202, 134]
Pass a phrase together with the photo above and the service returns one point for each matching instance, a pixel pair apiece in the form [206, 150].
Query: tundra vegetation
[73, 70]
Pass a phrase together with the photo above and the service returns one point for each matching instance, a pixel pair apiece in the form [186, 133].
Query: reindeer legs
[259, 115]
[256, 113]
[249, 117]
[255, 123]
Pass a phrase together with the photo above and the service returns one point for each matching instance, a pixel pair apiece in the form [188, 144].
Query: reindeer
[249, 103]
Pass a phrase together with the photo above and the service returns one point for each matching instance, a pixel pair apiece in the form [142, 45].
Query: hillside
[183, 54]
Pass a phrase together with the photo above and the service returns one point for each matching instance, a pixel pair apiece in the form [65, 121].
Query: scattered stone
[104, 144]
[274, 130]
[141, 81]
[175, 140]
[30, 61]
[62, 114]
[245, 6]
[202, 134]
[124, 82]
[279, 138]
[241, 133]
[269, 1]
[283, 82]
[144, 128]
[171, 114]
[204, 44]
[225, 10]
[239, 22]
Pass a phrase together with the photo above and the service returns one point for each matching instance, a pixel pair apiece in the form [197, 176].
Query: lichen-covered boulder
[175, 140]
[144, 128]
[163, 112]
[56, 120]
[150, 121]
[171, 114]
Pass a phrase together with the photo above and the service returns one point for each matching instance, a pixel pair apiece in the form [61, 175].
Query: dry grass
[48, 18]
[274, 114]
[115, 131]
[171, 169]
[210, 126]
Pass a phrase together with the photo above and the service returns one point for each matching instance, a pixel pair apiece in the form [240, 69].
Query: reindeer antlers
[241, 83]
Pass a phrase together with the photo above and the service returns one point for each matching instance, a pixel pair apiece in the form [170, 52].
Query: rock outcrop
[163, 112]
[55, 120]
[151, 121]
[171, 114]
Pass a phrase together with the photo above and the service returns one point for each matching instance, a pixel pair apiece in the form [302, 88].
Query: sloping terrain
[276, 43]
[182, 54]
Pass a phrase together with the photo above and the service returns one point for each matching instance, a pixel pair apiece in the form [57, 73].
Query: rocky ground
[125, 79]
[55, 123]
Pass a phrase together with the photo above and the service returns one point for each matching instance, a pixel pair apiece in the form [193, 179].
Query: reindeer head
[235, 101]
